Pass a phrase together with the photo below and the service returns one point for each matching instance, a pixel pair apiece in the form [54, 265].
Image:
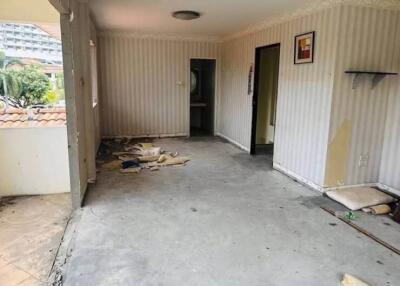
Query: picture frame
[304, 48]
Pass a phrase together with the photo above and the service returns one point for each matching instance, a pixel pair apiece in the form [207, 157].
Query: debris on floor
[358, 198]
[349, 280]
[396, 213]
[113, 165]
[133, 157]
[377, 210]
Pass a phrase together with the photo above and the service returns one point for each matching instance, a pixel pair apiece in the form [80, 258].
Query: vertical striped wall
[367, 41]
[144, 84]
[304, 92]
[390, 162]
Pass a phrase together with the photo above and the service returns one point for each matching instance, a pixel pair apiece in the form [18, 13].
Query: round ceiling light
[186, 15]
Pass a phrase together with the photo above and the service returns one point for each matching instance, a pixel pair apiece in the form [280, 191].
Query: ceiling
[219, 17]
[28, 11]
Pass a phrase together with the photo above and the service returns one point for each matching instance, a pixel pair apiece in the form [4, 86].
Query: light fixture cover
[186, 15]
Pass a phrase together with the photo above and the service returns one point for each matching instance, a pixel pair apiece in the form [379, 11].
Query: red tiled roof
[39, 117]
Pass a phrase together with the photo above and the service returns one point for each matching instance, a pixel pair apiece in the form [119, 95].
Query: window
[93, 67]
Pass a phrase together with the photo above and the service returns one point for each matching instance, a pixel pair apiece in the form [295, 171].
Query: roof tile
[13, 118]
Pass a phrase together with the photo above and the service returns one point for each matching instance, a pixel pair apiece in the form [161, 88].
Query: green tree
[9, 84]
[33, 87]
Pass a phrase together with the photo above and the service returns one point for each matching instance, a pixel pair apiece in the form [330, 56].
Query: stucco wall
[33, 161]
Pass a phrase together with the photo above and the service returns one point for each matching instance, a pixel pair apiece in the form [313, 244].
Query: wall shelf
[377, 76]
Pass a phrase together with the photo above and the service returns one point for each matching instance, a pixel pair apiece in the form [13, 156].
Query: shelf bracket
[377, 78]
[356, 80]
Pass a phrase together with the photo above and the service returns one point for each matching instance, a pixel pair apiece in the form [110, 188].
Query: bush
[33, 86]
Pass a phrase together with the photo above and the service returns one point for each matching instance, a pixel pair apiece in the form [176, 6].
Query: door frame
[255, 94]
[215, 91]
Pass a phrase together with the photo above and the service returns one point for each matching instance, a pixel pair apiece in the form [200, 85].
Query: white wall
[367, 41]
[390, 163]
[323, 125]
[304, 92]
[79, 105]
[94, 81]
[144, 83]
[33, 161]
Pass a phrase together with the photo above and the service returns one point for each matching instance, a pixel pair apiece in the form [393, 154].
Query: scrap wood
[154, 168]
[122, 154]
[148, 158]
[378, 210]
[162, 158]
[109, 166]
[349, 280]
[146, 145]
[131, 170]
[127, 157]
[175, 161]
[363, 231]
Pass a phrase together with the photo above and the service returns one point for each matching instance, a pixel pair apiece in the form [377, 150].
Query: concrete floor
[224, 219]
[31, 229]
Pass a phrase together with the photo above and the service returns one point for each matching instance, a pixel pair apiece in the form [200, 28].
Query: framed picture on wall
[304, 48]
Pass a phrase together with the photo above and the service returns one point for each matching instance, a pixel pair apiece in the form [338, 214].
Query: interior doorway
[202, 93]
[264, 99]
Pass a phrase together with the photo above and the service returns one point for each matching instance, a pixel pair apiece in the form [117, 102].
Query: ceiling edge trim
[158, 36]
[382, 4]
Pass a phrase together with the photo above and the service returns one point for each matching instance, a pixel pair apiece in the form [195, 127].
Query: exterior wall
[304, 93]
[33, 161]
[79, 104]
[29, 41]
[144, 83]
[367, 41]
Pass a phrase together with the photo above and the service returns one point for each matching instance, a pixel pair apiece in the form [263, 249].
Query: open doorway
[202, 92]
[264, 99]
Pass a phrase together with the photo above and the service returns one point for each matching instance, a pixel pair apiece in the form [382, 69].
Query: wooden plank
[363, 231]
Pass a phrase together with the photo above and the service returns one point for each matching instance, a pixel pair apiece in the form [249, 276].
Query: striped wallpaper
[144, 84]
[304, 92]
[322, 124]
[390, 164]
[367, 41]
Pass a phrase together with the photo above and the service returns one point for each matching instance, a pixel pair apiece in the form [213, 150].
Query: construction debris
[135, 170]
[378, 210]
[113, 165]
[362, 230]
[349, 280]
[136, 157]
[130, 164]
[358, 198]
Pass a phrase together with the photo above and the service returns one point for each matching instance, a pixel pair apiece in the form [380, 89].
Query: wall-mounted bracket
[377, 77]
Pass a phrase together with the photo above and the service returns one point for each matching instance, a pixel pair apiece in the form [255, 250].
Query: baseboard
[237, 144]
[350, 186]
[298, 178]
[322, 189]
[388, 189]
[146, 136]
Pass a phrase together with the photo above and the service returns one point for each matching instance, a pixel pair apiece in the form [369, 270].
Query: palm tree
[9, 84]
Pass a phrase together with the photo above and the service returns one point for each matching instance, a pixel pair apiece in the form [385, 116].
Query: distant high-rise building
[29, 41]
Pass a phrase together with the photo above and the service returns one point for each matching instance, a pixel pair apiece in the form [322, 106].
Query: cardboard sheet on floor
[349, 280]
[358, 198]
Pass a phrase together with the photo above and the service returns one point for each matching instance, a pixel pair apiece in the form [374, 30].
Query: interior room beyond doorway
[265, 98]
[202, 90]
